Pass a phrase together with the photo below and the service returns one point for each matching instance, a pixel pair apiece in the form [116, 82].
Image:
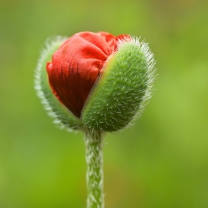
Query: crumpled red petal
[76, 65]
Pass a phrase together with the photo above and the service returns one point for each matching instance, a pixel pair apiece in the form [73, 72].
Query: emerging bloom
[95, 81]
[76, 65]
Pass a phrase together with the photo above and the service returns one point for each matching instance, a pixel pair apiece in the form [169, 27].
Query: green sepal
[55, 109]
[122, 89]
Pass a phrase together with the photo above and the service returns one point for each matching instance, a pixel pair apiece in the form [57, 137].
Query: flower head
[95, 81]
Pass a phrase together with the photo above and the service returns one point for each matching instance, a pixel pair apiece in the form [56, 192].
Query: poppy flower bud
[95, 81]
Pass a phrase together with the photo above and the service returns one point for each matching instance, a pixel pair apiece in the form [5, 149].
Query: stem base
[94, 176]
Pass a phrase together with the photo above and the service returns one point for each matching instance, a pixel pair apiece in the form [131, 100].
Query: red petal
[76, 65]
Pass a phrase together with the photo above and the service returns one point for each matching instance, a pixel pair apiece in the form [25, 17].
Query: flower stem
[94, 159]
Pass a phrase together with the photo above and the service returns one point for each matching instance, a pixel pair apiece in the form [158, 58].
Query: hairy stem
[94, 159]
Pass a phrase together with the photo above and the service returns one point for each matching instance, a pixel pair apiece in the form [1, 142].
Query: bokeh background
[161, 162]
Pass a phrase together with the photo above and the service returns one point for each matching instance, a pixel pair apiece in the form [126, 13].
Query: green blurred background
[161, 162]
